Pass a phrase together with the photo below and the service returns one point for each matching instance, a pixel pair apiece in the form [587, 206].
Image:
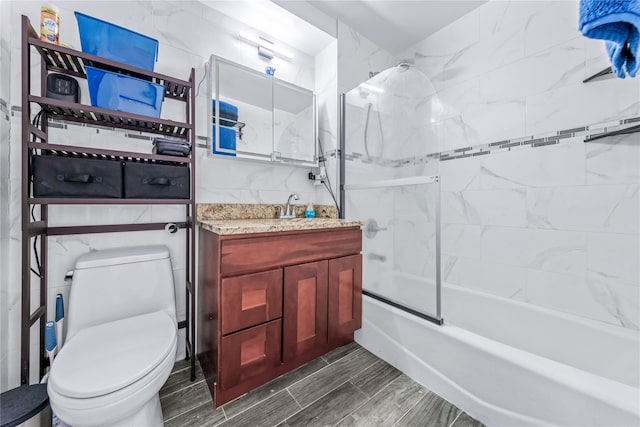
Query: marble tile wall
[189, 33]
[5, 299]
[556, 226]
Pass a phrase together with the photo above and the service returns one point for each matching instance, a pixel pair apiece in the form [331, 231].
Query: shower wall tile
[502, 207]
[459, 175]
[504, 280]
[462, 271]
[582, 104]
[606, 208]
[620, 300]
[501, 42]
[434, 53]
[481, 118]
[494, 278]
[506, 207]
[548, 250]
[571, 294]
[551, 23]
[462, 240]
[357, 57]
[532, 73]
[549, 166]
[419, 256]
[614, 256]
[614, 160]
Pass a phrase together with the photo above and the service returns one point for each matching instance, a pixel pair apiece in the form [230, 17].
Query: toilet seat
[107, 371]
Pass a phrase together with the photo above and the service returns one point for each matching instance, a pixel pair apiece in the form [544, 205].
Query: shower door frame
[417, 180]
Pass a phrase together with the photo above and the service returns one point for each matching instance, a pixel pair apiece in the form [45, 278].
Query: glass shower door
[391, 183]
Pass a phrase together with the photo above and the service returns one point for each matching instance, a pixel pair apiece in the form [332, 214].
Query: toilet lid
[105, 358]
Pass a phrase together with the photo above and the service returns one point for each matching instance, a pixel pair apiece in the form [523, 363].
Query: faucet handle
[280, 212]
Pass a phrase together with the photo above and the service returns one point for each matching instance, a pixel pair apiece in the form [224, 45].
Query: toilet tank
[114, 284]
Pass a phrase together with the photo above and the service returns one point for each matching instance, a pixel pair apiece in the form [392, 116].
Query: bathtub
[509, 363]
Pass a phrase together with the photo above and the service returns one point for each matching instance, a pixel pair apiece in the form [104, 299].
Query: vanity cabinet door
[250, 353]
[305, 310]
[345, 298]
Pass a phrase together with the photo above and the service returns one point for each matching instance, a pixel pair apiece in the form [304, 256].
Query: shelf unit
[71, 62]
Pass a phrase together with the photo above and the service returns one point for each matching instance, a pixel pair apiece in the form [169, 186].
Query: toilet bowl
[121, 341]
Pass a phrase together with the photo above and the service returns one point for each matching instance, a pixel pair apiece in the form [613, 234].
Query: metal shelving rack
[71, 62]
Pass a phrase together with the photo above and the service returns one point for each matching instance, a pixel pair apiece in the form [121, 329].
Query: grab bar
[399, 182]
[377, 257]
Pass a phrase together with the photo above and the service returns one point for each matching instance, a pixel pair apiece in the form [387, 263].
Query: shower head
[404, 66]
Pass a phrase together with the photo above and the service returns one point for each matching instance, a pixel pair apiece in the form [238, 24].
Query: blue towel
[618, 23]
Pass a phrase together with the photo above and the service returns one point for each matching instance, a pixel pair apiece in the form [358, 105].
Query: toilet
[121, 339]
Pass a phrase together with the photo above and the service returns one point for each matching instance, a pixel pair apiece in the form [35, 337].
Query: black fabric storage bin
[153, 181]
[57, 176]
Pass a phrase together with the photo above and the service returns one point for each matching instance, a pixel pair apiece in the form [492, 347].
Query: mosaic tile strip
[573, 135]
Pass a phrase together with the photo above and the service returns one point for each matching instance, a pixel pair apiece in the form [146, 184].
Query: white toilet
[121, 339]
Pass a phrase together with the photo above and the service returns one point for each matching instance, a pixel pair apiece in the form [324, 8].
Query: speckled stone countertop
[215, 211]
[225, 219]
[246, 226]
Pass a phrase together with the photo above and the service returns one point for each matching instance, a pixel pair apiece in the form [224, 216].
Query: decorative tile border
[550, 138]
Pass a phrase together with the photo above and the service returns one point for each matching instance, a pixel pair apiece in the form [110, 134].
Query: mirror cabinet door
[246, 111]
[294, 118]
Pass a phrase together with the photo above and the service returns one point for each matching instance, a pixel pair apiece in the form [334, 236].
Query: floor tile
[272, 387]
[185, 400]
[203, 416]
[329, 409]
[269, 412]
[341, 352]
[325, 380]
[181, 364]
[388, 406]
[464, 420]
[181, 379]
[431, 411]
[375, 377]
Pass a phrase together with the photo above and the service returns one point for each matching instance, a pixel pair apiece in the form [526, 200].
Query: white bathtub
[509, 363]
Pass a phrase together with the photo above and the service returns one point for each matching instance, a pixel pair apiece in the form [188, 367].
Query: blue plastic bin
[124, 93]
[110, 41]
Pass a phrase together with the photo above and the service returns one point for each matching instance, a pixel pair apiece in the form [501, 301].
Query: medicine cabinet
[257, 116]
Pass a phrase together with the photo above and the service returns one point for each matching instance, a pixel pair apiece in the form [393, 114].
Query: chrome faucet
[289, 210]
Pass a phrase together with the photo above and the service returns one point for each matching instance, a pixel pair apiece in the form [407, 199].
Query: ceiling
[310, 25]
[274, 23]
[393, 25]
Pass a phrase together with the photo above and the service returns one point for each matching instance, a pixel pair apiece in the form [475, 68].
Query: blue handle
[50, 336]
[59, 307]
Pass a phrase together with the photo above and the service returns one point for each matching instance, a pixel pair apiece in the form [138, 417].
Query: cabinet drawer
[250, 300]
[250, 353]
[261, 253]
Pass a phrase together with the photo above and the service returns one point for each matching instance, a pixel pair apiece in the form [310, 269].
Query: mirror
[260, 117]
[294, 118]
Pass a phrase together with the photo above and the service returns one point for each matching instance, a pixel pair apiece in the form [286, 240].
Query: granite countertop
[246, 226]
[227, 219]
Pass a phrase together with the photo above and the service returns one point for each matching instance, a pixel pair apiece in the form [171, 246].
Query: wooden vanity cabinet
[270, 302]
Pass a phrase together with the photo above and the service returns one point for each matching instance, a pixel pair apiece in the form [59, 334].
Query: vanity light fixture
[266, 47]
[371, 87]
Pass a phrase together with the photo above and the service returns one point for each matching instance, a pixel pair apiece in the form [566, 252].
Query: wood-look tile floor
[346, 387]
